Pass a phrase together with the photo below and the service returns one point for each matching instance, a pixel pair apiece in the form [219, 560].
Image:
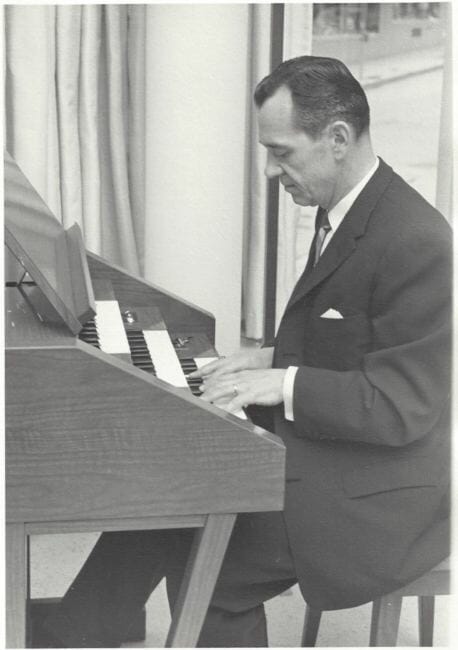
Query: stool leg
[311, 625]
[426, 620]
[386, 612]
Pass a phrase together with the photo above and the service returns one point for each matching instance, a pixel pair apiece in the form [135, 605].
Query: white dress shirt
[335, 216]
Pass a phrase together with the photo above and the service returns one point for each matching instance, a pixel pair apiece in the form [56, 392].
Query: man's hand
[239, 389]
[247, 360]
[242, 379]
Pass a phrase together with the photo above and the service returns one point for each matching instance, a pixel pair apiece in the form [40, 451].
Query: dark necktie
[323, 228]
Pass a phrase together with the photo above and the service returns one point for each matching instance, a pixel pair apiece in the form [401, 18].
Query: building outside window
[361, 32]
[348, 18]
[416, 10]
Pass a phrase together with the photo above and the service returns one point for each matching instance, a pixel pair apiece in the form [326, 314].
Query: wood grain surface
[39, 242]
[178, 314]
[202, 570]
[83, 295]
[15, 584]
[92, 442]
[94, 525]
[88, 436]
[23, 329]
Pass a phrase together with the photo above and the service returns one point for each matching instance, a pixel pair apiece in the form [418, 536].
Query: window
[416, 10]
[401, 72]
[338, 18]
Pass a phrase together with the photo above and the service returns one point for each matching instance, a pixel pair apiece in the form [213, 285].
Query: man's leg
[258, 565]
[110, 589]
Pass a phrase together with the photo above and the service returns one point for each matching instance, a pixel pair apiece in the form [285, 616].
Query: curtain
[255, 230]
[73, 81]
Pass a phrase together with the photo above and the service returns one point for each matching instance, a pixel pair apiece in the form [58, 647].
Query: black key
[188, 365]
[89, 334]
[139, 352]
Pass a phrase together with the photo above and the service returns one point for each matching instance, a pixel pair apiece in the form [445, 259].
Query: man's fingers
[206, 370]
[222, 367]
[217, 368]
[237, 404]
[216, 393]
[217, 390]
[264, 387]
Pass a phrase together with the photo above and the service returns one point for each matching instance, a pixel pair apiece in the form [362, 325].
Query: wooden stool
[386, 610]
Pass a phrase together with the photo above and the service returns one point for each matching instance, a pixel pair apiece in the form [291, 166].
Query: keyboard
[141, 337]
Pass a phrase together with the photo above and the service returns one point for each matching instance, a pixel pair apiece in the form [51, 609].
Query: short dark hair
[323, 90]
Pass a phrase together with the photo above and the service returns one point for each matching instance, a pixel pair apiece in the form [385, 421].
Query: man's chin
[303, 201]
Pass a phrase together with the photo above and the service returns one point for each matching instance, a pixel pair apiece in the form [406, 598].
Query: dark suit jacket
[368, 455]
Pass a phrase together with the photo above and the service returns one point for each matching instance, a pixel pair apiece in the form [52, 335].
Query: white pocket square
[331, 313]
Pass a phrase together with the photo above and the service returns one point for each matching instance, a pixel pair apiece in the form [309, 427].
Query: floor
[343, 628]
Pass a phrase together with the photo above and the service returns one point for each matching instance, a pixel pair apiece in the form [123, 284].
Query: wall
[196, 133]
[196, 140]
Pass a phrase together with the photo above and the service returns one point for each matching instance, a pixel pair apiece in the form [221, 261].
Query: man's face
[305, 167]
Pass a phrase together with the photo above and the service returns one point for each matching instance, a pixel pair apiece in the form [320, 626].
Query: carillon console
[104, 431]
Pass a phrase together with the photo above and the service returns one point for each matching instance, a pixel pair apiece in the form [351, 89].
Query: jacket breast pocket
[338, 343]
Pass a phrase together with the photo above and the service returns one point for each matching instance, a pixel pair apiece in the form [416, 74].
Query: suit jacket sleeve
[402, 386]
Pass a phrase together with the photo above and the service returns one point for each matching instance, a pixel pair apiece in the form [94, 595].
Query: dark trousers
[123, 569]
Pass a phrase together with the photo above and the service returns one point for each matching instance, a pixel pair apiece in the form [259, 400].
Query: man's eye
[280, 154]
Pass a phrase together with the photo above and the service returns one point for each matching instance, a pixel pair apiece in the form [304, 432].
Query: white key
[202, 361]
[164, 358]
[110, 327]
[167, 364]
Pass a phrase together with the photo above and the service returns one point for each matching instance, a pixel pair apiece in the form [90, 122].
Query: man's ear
[340, 134]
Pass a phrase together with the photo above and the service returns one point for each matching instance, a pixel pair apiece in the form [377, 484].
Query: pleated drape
[70, 88]
[91, 36]
[31, 130]
[255, 231]
[68, 41]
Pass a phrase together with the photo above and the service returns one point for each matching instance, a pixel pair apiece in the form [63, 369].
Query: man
[356, 383]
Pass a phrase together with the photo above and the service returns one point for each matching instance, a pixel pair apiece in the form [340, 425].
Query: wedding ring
[235, 391]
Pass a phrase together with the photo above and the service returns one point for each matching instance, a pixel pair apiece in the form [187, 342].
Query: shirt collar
[338, 212]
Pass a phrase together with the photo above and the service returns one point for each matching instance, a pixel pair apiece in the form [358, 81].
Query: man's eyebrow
[273, 145]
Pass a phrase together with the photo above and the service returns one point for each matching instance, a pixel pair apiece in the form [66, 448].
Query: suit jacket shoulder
[400, 210]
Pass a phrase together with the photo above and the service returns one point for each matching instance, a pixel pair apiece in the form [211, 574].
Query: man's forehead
[276, 119]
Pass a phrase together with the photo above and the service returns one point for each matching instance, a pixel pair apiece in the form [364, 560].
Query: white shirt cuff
[288, 392]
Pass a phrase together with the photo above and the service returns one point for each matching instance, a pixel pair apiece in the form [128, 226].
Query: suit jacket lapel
[343, 242]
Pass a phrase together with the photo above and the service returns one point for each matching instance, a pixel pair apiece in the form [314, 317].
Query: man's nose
[272, 168]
